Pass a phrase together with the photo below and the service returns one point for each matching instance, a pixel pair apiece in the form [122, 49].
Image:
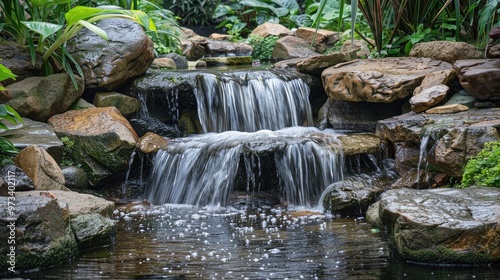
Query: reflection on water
[182, 242]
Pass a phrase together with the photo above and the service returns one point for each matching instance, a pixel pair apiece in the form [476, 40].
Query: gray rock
[93, 231]
[33, 133]
[316, 64]
[216, 48]
[109, 64]
[464, 98]
[39, 98]
[14, 177]
[18, 59]
[180, 61]
[42, 229]
[75, 177]
[127, 105]
[443, 226]
[81, 104]
[480, 77]
[428, 98]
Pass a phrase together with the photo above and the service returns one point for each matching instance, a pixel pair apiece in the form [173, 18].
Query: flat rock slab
[378, 80]
[480, 77]
[443, 226]
[78, 203]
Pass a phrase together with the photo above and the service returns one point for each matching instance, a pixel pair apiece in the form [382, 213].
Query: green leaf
[43, 28]
[5, 73]
[223, 10]
[97, 30]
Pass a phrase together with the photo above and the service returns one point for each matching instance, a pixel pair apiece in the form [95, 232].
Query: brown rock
[480, 77]
[18, 59]
[378, 80]
[355, 144]
[428, 98]
[445, 77]
[447, 109]
[164, 63]
[316, 64]
[323, 39]
[41, 168]
[5, 96]
[127, 105]
[291, 47]
[446, 50]
[39, 98]
[361, 47]
[151, 142]
[220, 37]
[271, 29]
[225, 48]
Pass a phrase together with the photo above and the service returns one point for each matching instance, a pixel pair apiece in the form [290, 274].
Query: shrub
[484, 168]
[262, 47]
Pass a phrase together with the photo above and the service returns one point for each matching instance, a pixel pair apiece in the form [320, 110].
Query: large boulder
[93, 231]
[18, 59]
[102, 140]
[41, 168]
[378, 80]
[216, 48]
[127, 54]
[480, 77]
[42, 230]
[290, 47]
[448, 51]
[39, 98]
[442, 226]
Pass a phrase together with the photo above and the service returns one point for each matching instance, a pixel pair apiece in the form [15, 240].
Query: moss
[443, 255]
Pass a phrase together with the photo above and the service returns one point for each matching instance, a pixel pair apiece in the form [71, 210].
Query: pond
[185, 242]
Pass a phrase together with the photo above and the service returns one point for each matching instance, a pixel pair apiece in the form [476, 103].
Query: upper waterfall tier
[236, 100]
[251, 101]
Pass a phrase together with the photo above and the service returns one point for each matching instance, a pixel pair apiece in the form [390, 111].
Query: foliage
[7, 113]
[262, 47]
[193, 12]
[241, 17]
[167, 33]
[46, 25]
[69, 145]
[484, 168]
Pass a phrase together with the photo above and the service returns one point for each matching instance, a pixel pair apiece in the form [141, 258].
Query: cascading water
[201, 170]
[252, 101]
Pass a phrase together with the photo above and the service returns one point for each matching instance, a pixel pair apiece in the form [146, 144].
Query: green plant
[68, 147]
[193, 12]
[262, 47]
[7, 113]
[484, 168]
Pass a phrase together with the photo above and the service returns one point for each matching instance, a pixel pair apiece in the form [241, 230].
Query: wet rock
[353, 144]
[222, 61]
[164, 63]
[216, 48]
[103, 140]
[464, 98]
[271, 29]
[145, 125]
[180, 61]
[428, 98]
[18, 59]
[75, 177]
[356, 116]
[81, 104]
[481, 78]
[414, 178]
[316, 64]
[93, 231]
[353, 195]
[378, 80]
[443, 226]
[13, 178]
[291, 47]
[39, 98]
[41, 168]
[323, 39]
[33, 133]
[406, 157]
[493, 48]
[192, 50]
[446, 50]
[110, 64]
[80, 203]
[151, 142]
[125, 104]
[447, 109]
[43, 233]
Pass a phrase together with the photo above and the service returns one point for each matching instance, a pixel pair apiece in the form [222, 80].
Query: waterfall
[252, 101]
[202, 170]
